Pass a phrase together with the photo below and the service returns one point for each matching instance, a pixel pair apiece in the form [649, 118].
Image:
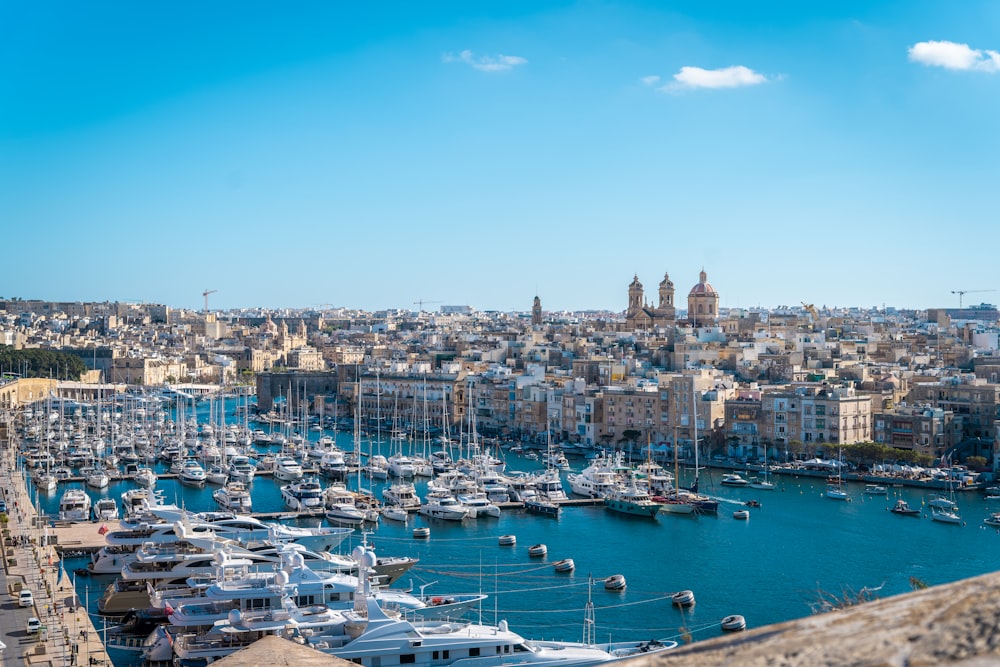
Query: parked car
[25, 598]
[34, 626]
[3, 506]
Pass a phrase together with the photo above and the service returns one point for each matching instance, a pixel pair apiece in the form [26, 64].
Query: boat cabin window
[445, 655]
[305, 600]
[522, 648]
[407, 658]
[474, 652]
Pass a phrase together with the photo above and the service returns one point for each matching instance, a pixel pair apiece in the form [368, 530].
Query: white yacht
[105, 509]
[241, 528]
[74, 505]
[340, 506]
[144, 476]
[548, 486]
[287, 469]
[235, 497]
[191, 473]
[478, 505]
[304, 495]
[96, 478]
[401, 494]
[241, 469]
[333, 464]
[375, 635]
[217, 474]
[46, 483]
[734, 479]
[401, 466]
[378, 467]
[442, 505]
[596, 480]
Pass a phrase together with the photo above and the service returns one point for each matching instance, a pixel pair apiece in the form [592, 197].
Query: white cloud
[952, 55]
[651, 80]
[496, 63]
[726, 77]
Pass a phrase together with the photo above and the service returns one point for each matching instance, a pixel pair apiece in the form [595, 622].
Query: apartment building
[816, 414]
[923, 429]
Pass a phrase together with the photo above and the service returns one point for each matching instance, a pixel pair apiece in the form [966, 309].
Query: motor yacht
[241, 469]
[74, 505]
[105, 509]
[442, 505]
[235, 497]
[191, 473]
[630, 499]
[287, 469]
[304, 495]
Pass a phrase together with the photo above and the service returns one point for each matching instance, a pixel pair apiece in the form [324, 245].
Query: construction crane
[420, 304]
[963, 292]
[205, 294]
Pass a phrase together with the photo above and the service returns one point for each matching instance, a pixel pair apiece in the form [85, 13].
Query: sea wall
[951, 624]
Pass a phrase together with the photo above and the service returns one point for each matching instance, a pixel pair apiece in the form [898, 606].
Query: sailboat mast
[694, 422]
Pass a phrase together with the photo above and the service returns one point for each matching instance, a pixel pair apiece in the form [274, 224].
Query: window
[407, 658]
[474, 652]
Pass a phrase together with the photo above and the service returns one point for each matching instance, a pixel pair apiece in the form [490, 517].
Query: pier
[32, 561]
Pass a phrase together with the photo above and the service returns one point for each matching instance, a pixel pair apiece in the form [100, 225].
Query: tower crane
[205, 294]
[420, 304]
[963, 292]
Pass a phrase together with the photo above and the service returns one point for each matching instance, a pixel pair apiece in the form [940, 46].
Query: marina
[723, 559]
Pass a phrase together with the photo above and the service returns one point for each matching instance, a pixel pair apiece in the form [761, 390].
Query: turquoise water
[769, 569]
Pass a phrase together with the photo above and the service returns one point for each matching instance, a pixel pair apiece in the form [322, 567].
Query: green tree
[38, 363]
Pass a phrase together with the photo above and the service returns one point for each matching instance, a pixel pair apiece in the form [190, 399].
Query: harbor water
[796, 550]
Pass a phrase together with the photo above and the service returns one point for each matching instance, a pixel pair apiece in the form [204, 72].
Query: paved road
[34, 566]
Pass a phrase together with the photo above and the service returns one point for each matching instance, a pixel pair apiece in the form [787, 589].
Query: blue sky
[371, 155]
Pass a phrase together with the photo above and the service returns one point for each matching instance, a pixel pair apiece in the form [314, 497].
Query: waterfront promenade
[31, 561]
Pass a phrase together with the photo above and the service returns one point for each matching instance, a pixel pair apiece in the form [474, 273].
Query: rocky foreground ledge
[951, 624]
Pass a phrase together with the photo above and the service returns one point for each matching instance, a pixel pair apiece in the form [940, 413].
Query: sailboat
[673, 503]
[763, 483]
[699, 501]
[548, 487]
[838, 490]
[946, 511]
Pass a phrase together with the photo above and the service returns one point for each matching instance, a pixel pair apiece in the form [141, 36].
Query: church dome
[703, 288]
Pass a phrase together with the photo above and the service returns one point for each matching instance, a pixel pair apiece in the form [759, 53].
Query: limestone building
[641, 315]
[703, 302]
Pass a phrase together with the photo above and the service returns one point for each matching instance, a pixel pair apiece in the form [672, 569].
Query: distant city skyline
[379, 156]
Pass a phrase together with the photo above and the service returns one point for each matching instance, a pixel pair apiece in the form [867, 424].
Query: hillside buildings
[750, 383]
